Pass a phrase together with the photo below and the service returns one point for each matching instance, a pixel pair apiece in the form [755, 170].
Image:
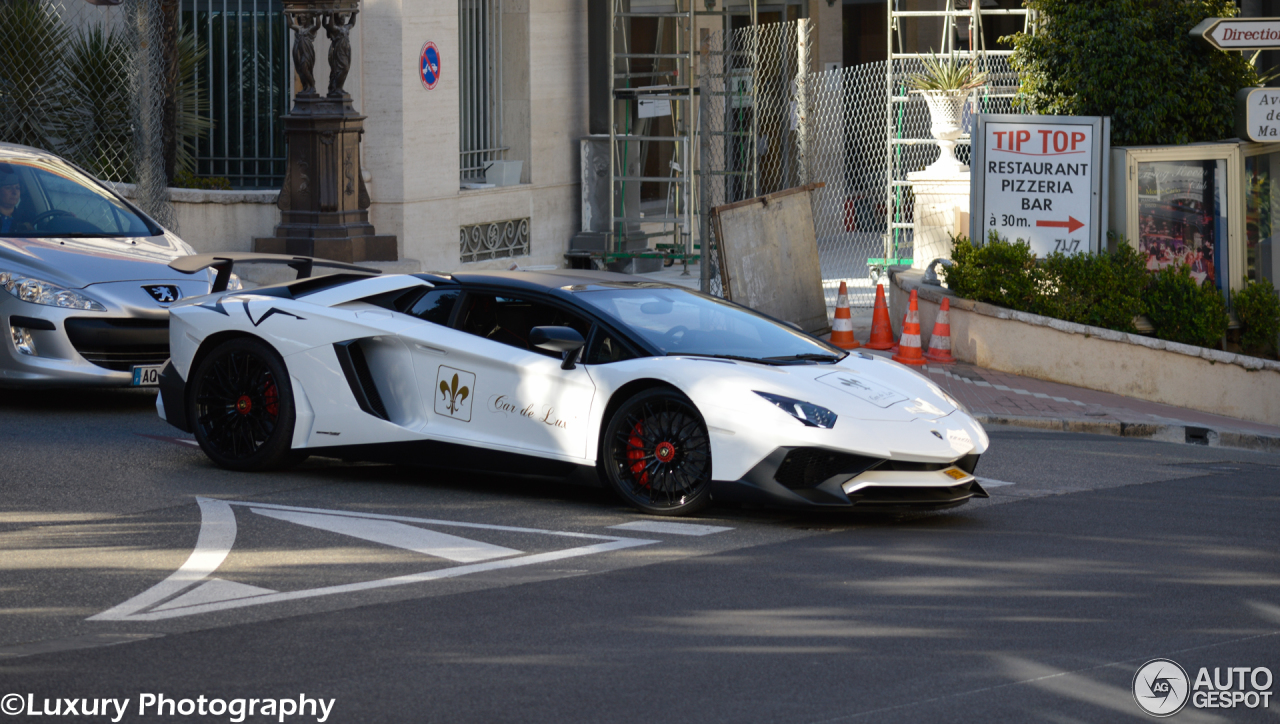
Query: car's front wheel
[655, 452]
[242, 406]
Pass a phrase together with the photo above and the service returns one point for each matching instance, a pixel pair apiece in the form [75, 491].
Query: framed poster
[1182, 205]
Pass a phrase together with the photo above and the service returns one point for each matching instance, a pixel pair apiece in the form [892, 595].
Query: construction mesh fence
[751, 135]
[766, 125]
[863, 142]
[85, 81]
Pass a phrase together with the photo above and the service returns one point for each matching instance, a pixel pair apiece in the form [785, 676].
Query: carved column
[324, 205]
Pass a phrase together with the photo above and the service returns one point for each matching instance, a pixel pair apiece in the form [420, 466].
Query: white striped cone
[909, 351]
[842, 325]
[940, 341]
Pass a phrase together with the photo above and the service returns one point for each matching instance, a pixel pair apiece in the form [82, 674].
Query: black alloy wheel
[655, 452]
[242, 405]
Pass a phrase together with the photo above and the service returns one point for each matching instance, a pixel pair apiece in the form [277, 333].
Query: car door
[491, 388]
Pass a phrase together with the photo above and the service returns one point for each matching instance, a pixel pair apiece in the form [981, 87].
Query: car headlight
[38, 291]
[234, 284]
[955, 403]
[806, 412]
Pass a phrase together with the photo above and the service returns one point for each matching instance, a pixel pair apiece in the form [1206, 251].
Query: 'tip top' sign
[1040, 179]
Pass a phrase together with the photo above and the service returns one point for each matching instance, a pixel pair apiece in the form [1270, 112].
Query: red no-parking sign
[429, 65]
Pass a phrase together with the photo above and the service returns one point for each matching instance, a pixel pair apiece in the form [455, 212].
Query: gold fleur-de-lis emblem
[454, 394]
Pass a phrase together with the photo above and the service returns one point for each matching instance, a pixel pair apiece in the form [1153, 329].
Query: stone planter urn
[942, 188]
[946, 108]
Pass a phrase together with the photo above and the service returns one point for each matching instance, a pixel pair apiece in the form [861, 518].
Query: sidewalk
[1000, 398]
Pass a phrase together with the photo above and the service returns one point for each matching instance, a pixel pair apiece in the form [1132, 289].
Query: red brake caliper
[272, 397]
[635, 453]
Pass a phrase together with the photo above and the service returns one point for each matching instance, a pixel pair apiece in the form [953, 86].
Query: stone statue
[305, 26]
[338, 28]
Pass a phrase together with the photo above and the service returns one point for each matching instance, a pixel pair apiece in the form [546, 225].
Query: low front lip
[855, 484]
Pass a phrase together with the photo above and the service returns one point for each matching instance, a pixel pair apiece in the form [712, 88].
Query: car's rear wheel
[655, 452]
[242, 407]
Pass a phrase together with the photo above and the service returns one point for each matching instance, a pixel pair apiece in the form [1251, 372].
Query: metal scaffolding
[666, 81]
[646, 86]
[962, 25]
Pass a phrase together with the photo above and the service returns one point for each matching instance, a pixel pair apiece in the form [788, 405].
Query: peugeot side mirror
[564, 340]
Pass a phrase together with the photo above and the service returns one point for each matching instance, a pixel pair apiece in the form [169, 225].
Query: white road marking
[212, 591]
[989, 483]
[399, 535]
[217, 535]
[657, 526]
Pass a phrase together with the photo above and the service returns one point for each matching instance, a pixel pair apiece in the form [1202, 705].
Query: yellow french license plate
[956, 473]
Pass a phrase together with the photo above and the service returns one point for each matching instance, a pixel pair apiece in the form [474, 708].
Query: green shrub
[1100, 290]
[1184, 311]
[1132, 60]
[186, 180]
[1257, 306]
[1000, 272]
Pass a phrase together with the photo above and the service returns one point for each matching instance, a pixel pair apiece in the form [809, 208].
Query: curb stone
[1184, 434]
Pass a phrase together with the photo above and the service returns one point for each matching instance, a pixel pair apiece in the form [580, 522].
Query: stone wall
[220, 220]
[1146, 368]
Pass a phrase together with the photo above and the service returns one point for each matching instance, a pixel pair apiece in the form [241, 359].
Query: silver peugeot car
[85, 285]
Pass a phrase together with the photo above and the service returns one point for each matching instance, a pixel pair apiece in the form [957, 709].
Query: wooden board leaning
[767, 252]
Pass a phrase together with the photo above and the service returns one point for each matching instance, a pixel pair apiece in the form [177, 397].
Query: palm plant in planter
[946, 83]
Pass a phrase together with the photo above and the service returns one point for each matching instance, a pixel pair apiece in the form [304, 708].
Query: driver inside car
[10, 197]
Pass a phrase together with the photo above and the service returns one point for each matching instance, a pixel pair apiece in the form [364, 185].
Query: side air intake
[356, 369]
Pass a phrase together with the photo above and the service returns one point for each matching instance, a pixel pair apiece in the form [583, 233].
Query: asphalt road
[397, 595]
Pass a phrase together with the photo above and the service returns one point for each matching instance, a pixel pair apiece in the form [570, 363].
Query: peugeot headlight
[233, 281]
[806, 412]
[38, 291]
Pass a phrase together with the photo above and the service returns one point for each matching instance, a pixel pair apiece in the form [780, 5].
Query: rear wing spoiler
[224, 262]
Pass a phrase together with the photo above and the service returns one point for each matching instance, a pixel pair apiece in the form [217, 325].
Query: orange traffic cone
[894, 348]
[909, 343]
[940, 341]
[881, 330]
[842, 326]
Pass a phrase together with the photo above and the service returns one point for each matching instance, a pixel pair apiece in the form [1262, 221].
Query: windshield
[679, 321]
[42, 198]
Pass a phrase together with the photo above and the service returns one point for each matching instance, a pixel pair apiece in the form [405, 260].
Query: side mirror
[564, 340]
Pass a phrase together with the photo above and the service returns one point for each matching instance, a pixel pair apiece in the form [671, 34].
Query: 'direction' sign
[1040, 179]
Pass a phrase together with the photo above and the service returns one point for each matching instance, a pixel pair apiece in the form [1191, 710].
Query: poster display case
[1185, 205]
[1262, 205]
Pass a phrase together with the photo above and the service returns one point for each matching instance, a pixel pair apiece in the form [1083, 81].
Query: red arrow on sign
[1070, 226]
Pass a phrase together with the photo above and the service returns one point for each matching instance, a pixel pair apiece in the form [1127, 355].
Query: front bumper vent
[809, 467]
[119, 343]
